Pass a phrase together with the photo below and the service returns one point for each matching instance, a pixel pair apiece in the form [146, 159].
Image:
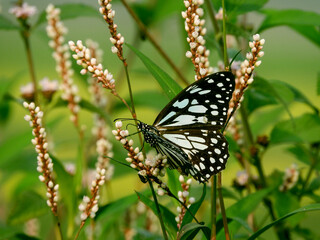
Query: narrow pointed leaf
[168, 85]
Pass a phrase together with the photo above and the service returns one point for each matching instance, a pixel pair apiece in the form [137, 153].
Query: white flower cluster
[116, 38]
[242, 178]
[184, 197]
[90, 64]
[194, 26]
[24, 11]
[45, 165]
[55, 31]
[290, 178]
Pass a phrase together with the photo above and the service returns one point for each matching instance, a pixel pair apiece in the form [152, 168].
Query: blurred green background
[288, 57]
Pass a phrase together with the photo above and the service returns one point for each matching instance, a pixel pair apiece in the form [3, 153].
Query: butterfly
[188, 129]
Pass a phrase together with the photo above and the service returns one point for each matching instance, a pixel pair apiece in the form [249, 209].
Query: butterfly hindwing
[204, 102]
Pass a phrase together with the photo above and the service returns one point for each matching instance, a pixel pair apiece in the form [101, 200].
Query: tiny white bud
[256, 37]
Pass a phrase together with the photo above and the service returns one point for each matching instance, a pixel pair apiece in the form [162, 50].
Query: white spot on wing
[199, 146]
[197, 109]
[197, 139]
[217, 151]
[212, 160]
[202, 166]
[169, 115]
[210, 81]
[213, 106]
[214, 113]
[181, 104]
[204, 92]
[182, 120]
[194, 101]
[214, 140]
[178, 139]
[195, 90]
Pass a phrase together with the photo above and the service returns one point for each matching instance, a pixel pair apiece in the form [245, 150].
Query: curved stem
[165, 236]
[224, 30]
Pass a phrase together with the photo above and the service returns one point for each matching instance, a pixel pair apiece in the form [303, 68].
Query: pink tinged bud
[185, 194]
[114, 49]
[203, 71]
[189, 181]
[83, 216]
[50, 184]
[249, 56]
[260, 54]
[49, 203]
[79, 45]
[129, 160]
[250, 80]
[133, 165]
[90, 69]
[184, 14]
[160, 192]
[39, 169]
[181, 179]
[83, 71]
[32, 105]
[42, 178]
[258, 63]
[193, 45]
[262, 42]
[191, 200]
[136, 150]
[251, 44]
[27, 118]
[25, 104]
[249, 70]
[45, 145]
[123, 141]
[256, 37]
[186, 4]
[34, 141]
[118, 124]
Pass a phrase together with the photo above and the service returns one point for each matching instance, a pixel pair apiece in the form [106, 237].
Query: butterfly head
[150, 133]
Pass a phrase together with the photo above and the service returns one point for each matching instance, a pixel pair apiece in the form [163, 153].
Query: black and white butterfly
[187, 130]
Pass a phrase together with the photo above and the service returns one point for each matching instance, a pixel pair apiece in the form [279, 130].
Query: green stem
[222, 207]
[224, 31]
[59, 228]
[215, 25]
[165, 236]
[143, 29]
[214, 207]
[25, 34]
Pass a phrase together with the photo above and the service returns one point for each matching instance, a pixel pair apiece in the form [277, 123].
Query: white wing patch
[169, 115]
[181, 104]
[197, 109]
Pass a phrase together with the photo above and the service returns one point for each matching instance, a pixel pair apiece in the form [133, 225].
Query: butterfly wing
[203, 103]
[191, 122]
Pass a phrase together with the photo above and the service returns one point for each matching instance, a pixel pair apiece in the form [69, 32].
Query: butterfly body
[188, 129]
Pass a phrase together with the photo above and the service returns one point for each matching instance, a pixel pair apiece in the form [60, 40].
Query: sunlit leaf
[312, 207]
[190, 230]
[70, 11]
[168, 85]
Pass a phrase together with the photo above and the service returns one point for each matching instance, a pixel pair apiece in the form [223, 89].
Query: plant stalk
[214, 207]
[222, 207]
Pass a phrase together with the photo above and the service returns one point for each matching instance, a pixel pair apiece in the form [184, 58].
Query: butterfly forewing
[204, 102]
[187, 130]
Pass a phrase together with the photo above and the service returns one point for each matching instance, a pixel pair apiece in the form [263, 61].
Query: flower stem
[165, 236]
[214, 207]
[222, 207]
[25, 34]
[224, 31]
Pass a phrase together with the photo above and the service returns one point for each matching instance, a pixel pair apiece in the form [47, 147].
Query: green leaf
[241, 209]
[194, 207]
[165, 8]
[304, 129]
[289, 17]
[168, 216]
[6, 24]
[169, 86]
[304, 22]
[318, 84]
[116, 207]
[190, 230]
[173, 182]
[314, 185]
[302, 154]
[10, 147]
[285, 202]
[27, 206]
[237, 7]
[70, 11]
[159, 100]
[312, 207]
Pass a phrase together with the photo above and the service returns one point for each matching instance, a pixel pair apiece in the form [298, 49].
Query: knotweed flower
[27, 92]
[244, 76]
[56, 31]
[23, 11]
[45, 165]
[194, 26]
[48, 88]
[185, 198]
[290, 178]
[116, 38]
[90, 64]
[150, 168]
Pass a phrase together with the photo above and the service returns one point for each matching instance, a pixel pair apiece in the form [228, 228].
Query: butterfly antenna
[126, 119]
[117, 161]
[234, 58]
